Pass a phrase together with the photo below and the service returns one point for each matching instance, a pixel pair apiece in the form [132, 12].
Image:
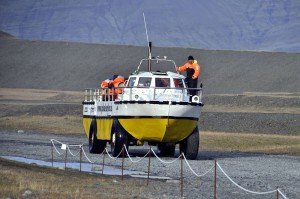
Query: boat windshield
[144, 82]
[131, 81]
[162, 82]
[178, 83]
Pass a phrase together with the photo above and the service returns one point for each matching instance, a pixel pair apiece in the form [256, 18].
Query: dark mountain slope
[75, 66]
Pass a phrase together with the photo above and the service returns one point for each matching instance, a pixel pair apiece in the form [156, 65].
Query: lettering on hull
[104, 108]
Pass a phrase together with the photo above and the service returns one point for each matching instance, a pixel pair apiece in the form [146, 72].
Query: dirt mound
[75, 66]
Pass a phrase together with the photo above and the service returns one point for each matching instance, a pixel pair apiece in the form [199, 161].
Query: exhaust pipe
[149, 55]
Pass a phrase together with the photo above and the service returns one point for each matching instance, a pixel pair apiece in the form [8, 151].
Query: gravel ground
[257, 172]
[255, 99]
[269, 123]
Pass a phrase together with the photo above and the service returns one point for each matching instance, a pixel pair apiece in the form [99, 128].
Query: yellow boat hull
[159, 129]
[104, 126]
[145, 129]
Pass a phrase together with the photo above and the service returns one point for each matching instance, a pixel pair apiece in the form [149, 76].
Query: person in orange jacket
[110, 86]
[106, 90]
[118, 81]
[193, 71]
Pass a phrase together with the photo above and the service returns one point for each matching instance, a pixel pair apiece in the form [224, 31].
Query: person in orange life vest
[112, 84]
[193, 71]
[105, 92]
[106, 83]
[118, 81]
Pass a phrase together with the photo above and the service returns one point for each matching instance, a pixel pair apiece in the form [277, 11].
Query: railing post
[215, 181]
[52, 153]
[181, 175]
[66, 156]
[130, 94]
[103, 161]
[277, 194]
[123, 161]
[90, 97]
[80, 157]
[149, 166]
[200, 95]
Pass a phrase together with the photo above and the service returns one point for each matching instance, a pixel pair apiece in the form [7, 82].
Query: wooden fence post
[66, 156]
[52, 153]
[80, 157]
[149, 166]
[123, 161]
[215, 181]
[181, 175]
[103, 162]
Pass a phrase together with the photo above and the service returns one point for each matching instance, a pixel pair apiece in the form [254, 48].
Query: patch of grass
[262, 143]
[46, 124]
[250, 109]
[40, 95]
[16, 178]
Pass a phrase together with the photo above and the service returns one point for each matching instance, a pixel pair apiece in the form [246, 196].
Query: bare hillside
[75, 66]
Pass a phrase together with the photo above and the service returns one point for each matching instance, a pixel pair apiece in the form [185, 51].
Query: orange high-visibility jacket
[194, 66]
[105, 83]
[118, 82]
[114, 85]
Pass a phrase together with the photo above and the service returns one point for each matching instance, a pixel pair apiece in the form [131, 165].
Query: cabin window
[131, 81]
[178, 83]
[144, 82]
[162, 82]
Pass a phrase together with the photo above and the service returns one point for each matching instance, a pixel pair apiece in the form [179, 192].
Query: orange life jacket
[113, 86]
[194, 66]
[117, 82]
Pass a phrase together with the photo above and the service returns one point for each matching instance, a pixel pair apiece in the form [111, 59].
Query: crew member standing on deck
[193, 71]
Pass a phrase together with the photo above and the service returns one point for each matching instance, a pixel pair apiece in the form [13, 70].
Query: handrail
[157, 60]
[106, 94]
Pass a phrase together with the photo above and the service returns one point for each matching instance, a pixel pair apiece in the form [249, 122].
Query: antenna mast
[149, 45]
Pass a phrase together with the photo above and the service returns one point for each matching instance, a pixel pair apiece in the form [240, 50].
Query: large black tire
[190, 145]
[166, 149]
[95, 146]
[118, 139]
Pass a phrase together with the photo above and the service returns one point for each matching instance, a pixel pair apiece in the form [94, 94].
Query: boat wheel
[118, 139]
[95, 145]
[190, 145]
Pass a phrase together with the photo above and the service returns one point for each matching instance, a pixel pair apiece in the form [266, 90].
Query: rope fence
[66, 148]
[136, 161]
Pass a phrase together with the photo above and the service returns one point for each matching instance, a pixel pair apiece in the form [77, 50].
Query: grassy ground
[42, 182]
[44, 124]
[263, 143]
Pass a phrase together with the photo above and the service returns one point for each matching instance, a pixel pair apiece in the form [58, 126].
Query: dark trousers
[192, 83]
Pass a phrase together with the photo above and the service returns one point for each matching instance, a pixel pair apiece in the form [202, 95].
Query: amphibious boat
[152, 106]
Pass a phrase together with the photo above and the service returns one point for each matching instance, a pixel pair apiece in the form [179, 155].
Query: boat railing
[134, 94]
[157, 60]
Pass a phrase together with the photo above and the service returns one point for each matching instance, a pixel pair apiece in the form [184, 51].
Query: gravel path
[257, 172]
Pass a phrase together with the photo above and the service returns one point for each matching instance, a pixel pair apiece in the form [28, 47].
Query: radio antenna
[149, 44]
